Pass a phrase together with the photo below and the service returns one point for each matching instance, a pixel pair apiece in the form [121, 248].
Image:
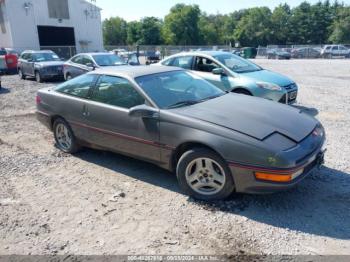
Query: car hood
[268, 76]
[255, 117]
[50, 63]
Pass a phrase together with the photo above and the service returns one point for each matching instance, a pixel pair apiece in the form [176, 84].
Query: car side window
[168, 62]
[24, 56]
[79, 86]
[87, 61]
[184, 62]
[203, 64]
[77, 59]
[117, 91]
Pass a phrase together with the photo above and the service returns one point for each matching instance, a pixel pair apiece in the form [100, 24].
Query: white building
[50, 24]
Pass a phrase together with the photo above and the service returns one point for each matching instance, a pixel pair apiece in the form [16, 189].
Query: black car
[42, 65]
[86, 62]
[305, 52]
[278, 54]
[152, 57]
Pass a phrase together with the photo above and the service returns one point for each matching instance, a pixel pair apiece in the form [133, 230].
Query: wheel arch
[242, 88]
[186, 146]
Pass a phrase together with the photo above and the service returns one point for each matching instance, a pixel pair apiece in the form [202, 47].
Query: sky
[136, 9]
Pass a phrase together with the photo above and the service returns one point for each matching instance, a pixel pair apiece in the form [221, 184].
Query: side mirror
[91, 65]
[143, 111]
[218, 71]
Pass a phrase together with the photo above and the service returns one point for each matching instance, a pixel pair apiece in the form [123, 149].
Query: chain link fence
[303, 51]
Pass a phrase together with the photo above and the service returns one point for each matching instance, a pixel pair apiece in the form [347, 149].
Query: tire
[68, 77]
[20, 74]
[212, 180]
[242, 91]
[68, 143]
[38, 77]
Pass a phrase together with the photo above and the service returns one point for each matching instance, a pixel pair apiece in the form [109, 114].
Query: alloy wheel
[64, 137]
[205, 176]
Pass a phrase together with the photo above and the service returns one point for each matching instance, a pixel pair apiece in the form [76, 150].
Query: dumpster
[249, 52]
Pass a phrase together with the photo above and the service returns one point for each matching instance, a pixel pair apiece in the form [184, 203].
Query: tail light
[38, 99]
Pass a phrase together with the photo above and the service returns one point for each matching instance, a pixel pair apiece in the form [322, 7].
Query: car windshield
[45, 57]
[2, 52]
[108, 60]
[237, 64]
[177, 89]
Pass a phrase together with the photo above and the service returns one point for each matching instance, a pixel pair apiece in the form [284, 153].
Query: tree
[134, 33]
[340, 30]
[151, 31]
[280, 24]
[114, 31]
[254, 28]
[181, 25]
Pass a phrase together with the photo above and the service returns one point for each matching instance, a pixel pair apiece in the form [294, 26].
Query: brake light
[38, 99]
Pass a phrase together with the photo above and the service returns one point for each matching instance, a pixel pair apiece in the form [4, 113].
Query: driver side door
[111, 125]
[204, 66]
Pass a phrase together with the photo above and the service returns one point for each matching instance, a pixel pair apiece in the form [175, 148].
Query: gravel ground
[102, 203]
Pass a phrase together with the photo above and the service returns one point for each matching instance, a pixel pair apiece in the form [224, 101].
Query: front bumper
[246, 182]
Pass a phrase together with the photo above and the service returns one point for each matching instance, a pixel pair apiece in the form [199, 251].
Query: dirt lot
[102, 203]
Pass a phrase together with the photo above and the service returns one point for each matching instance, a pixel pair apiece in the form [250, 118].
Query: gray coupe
[216, 142]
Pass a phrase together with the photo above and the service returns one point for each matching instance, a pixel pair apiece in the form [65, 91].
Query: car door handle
[86, 110]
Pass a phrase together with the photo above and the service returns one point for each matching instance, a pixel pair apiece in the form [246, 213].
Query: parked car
[152, 57]
[85, 62]
[330, 51]
[236, 74]
[305, 52]
[43, 65]
[216, 142]
[3, 66]
[8, 60]
[130, 58]
[278, 54]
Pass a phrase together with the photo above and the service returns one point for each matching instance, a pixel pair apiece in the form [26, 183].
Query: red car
[8, 60]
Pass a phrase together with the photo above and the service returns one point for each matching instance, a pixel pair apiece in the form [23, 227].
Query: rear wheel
[64, 137]
[204, 175]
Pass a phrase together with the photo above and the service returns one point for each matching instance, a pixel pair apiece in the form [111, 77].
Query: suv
[335, 50]
[42, 65]
[8, 60]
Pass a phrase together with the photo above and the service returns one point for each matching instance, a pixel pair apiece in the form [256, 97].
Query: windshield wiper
[184, 103]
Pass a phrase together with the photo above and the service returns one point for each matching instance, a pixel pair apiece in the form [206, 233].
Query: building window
[58, 9]
[2, 20]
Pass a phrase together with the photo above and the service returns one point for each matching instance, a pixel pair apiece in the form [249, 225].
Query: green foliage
[254, 28]
[341, 27]
[114, 31]
[319, 23]
[181, 25]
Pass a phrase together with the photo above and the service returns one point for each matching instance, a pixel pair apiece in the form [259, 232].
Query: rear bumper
[246, 182]
[44, 118]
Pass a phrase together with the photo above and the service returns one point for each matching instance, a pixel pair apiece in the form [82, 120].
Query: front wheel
[20, 74]
[204, 175]
[38, 77]
[64, 137]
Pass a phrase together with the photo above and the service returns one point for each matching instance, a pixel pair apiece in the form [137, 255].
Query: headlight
[269, 86]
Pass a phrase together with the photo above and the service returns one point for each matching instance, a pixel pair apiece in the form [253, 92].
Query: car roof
[135, 71]
[38, 51]
[208, 53]
[96, 53]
